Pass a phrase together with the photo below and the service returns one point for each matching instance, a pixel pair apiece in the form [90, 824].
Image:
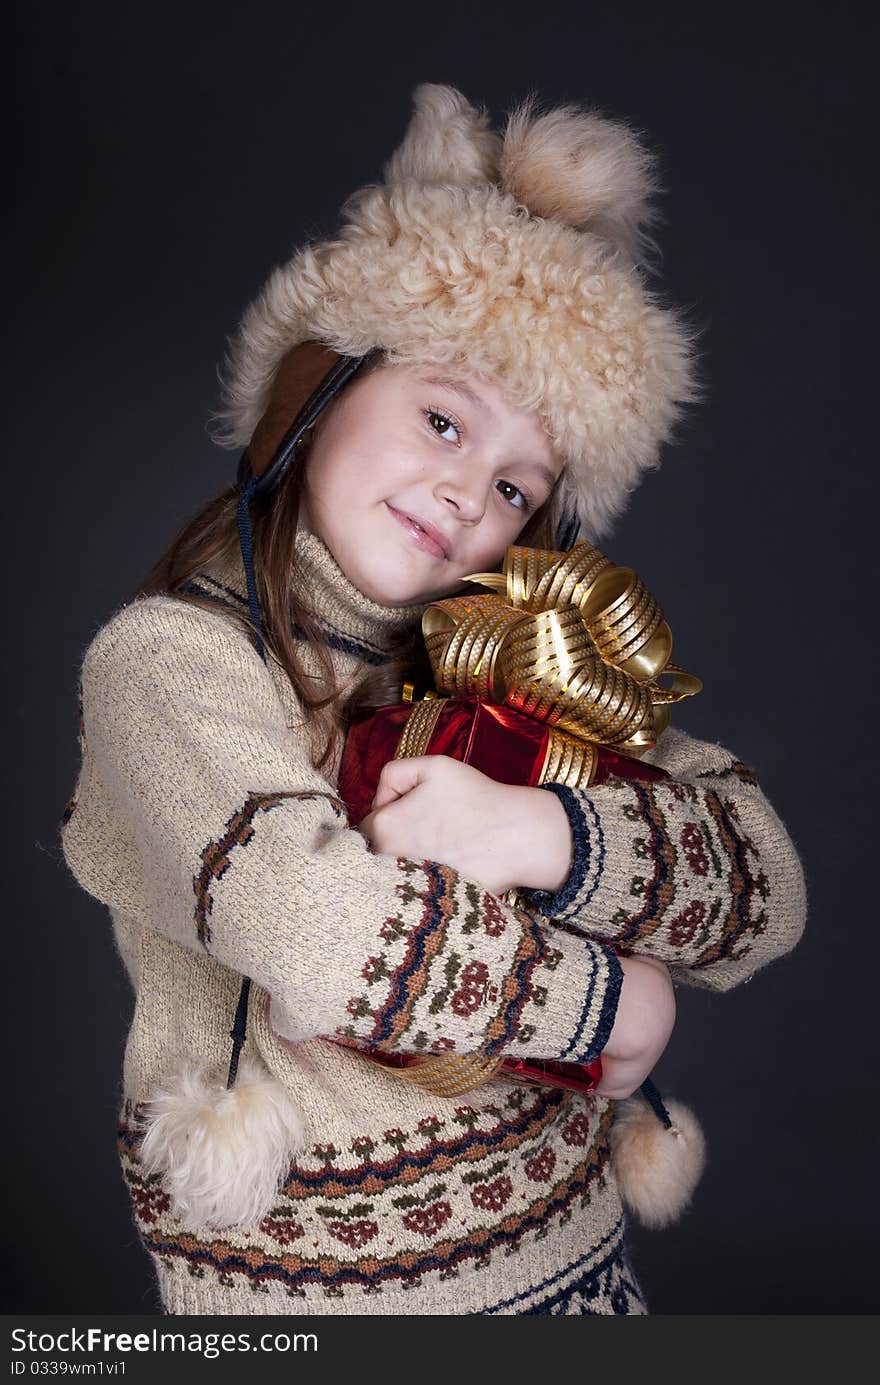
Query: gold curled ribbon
[570, 639]
[450, 1074]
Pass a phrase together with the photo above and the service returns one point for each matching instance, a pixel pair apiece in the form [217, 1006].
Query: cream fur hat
[519, 257]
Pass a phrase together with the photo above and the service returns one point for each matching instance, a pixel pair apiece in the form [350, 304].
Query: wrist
[645, 1015]
[547, 844]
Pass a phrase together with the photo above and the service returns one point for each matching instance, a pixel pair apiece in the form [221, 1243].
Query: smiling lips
[425, 535]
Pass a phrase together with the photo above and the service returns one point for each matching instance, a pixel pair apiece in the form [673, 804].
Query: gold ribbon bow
[570, 639]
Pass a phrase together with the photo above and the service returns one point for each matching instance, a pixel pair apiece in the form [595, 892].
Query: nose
[466, 496]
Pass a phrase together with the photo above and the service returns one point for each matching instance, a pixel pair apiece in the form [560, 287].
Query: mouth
[425, 535]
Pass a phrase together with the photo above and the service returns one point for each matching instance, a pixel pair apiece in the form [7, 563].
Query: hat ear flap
[447, 141]
[579, 167]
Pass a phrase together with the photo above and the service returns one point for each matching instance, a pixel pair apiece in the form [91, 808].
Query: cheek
[332, 475]
[494, 543]
[395, 465]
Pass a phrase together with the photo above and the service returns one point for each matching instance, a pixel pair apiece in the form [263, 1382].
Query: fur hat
[518, 257]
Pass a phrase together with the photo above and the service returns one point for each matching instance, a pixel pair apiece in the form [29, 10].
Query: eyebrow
[459, 387]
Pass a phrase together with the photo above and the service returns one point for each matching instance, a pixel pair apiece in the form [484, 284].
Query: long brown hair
[286, 620]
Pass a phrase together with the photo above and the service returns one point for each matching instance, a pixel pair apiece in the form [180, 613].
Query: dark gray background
[165, 159]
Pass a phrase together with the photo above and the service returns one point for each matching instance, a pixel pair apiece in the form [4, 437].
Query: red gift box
[511, 748]
[503, 743]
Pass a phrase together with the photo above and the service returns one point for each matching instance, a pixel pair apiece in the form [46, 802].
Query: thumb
[398, 777]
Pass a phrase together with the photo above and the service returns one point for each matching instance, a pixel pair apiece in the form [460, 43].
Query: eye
[440, 422]
[526, 501]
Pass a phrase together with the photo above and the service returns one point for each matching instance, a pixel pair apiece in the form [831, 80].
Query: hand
[432, 807]
[642, 1028]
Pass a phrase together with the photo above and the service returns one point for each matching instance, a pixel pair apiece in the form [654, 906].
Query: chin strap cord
[238, 1032]
[652, 1096]
[247, 484]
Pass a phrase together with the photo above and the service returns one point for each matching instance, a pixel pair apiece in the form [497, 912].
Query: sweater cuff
[580, 1005]
[608, 1014]
[551, 904]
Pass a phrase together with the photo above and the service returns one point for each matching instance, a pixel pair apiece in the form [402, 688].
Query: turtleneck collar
[349, 620]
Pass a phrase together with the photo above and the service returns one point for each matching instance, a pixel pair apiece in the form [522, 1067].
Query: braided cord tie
[652, 1096]
[246, 488]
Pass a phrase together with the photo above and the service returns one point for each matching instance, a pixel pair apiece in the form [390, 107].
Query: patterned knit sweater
[199, 821]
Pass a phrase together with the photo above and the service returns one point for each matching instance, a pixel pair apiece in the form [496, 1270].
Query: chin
[388, 589]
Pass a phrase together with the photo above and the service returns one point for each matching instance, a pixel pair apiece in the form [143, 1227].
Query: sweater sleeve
[198, 805]
[698, 870]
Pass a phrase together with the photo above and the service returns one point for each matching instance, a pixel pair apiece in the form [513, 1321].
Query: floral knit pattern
[462, 1194]
[697, 872]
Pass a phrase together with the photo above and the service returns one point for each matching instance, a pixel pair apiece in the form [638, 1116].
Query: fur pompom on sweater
[223, 1151]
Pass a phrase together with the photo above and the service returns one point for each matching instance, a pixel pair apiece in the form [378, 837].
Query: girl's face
[443, 448]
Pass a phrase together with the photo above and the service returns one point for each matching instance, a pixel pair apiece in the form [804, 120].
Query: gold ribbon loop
[570, 639]
[684, 684]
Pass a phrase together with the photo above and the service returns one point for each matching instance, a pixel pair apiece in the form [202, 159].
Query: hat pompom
[657, 1167]
[447, 141]
[581, 168]
[222, 1151]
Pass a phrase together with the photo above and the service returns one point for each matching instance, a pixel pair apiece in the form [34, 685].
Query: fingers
[378, 832]
[399, 776]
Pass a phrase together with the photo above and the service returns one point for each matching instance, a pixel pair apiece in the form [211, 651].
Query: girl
[474, 362]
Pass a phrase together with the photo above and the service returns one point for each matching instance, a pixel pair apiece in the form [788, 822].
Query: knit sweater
[200, 822]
